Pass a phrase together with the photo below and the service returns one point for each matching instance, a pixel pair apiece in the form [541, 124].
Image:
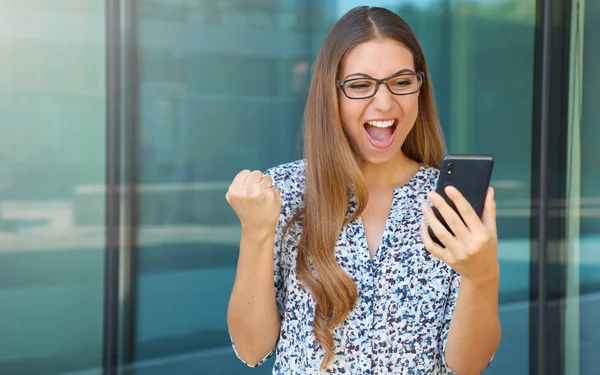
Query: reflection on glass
[484, 110]
[222, 86]
[52, 100]
[590, 195]
[582, 336]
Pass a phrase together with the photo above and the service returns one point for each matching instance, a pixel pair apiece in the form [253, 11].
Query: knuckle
[471, 251]
[454, 220]
[276, 195]
[486, 237]
[461, 257]
[450, 260]
[443, 235]
[242, 173]
[483, 239]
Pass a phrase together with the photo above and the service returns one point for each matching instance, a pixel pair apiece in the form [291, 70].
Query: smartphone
[469, 174]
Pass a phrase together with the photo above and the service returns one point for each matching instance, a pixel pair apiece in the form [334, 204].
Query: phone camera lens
[450, 168]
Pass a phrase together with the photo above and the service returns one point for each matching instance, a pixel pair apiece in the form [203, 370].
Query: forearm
[252, 317]
[475, 329]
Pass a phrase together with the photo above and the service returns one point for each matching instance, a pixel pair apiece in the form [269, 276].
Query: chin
[381, 158]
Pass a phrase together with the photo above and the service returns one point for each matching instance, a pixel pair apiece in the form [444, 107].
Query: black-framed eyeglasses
[365, 87]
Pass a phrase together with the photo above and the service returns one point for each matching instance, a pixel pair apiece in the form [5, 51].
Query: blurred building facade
[125, 121]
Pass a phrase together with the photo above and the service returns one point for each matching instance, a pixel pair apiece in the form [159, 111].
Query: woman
[337, 272]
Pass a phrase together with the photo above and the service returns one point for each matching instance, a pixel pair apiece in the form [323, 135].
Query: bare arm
[252, 315]
[475, 329]
[472, 252]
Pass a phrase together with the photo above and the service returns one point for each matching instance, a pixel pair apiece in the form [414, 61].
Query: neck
[389, 175]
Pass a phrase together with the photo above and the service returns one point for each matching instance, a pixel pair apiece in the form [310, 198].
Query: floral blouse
[406, 297]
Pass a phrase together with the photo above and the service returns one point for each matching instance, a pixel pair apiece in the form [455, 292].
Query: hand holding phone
[470, 175]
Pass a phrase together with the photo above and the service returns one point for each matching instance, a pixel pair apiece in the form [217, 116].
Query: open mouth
[381, 133]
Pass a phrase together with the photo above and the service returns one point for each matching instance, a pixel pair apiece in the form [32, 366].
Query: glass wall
[221, 87]
[583, 286]
[52, 160]
[590, 194]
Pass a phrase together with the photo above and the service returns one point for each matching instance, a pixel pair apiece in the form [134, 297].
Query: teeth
[381, 124]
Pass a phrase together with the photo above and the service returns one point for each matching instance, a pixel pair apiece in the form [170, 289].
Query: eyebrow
[368, 76]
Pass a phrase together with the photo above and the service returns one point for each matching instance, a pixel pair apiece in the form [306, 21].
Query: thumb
[489, 212]
[278, 196]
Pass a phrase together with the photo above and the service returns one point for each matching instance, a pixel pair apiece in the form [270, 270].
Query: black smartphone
[469, 174]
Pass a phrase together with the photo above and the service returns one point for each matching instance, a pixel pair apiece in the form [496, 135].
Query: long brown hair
[332, 172]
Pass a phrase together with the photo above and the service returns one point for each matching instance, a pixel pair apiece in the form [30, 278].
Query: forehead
[377, 58]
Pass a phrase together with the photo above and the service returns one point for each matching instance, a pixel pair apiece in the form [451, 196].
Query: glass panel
[590, 194]
[481, 59]
[583, 289]
[222, 88]
[484, 88]
[52, 167]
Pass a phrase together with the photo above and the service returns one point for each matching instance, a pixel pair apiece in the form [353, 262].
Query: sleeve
[447, 319]
[278, 262]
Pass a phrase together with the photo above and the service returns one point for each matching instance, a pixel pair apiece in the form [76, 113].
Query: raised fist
[255, 200]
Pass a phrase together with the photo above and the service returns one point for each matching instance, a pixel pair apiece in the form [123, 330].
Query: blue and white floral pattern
[406, 297]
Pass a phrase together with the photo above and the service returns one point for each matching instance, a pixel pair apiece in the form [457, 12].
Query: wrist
[487, 281]
[256, 250]
[258, 233]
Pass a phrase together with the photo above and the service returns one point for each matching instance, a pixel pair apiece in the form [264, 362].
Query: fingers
[435, 249]
[250, 182]
[276, 190]
[450, 216]
[240, 178]
[255, 200]
[266, 182]
[247, 177]
[464, 208]
[489, 212]
[237, 182]
[445, 237]
[254, 177]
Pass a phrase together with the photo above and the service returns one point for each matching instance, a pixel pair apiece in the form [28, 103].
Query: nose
[383, 99]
